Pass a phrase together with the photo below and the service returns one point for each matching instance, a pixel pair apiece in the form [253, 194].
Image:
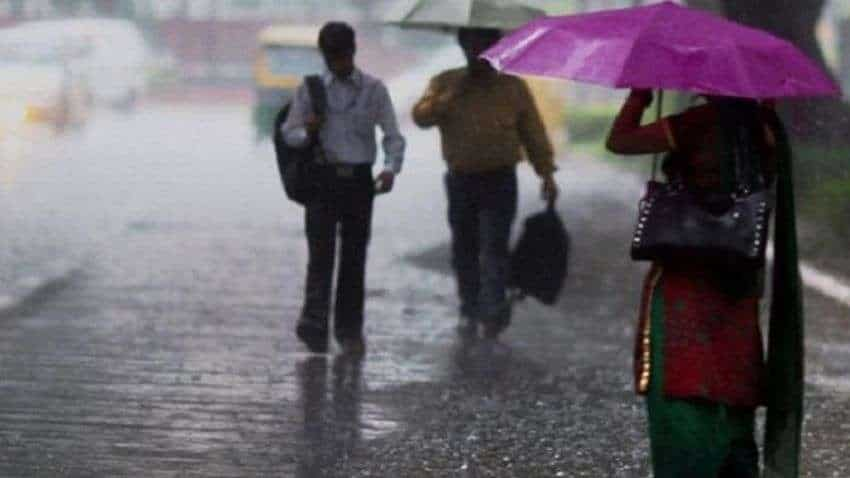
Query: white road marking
[826, 284]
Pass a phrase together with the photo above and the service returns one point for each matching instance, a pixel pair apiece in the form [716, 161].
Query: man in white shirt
[357, 103]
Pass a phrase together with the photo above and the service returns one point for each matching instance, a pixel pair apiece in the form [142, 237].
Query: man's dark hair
[336, 38]
[491, 34]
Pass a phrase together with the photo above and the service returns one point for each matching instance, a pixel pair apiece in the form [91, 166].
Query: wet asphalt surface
[168, 350]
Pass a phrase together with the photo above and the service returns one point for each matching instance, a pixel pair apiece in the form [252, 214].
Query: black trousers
[342, 215]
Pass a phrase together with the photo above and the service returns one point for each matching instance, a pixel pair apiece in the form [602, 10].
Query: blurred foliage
[589, 123]
[818, 163]
[829, 205]
[823, 184]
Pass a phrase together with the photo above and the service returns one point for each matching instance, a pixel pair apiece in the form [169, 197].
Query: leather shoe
[353, 346]
[314, 336]
[493, 328]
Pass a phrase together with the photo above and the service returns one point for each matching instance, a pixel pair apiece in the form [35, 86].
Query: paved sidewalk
[173, 354]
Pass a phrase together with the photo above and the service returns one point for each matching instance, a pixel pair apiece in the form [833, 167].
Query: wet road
[165, 348]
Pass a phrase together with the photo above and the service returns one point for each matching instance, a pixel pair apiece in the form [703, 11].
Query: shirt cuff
[296, 137]
[392, 165]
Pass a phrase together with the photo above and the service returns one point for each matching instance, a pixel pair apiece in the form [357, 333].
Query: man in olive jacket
[486, 119]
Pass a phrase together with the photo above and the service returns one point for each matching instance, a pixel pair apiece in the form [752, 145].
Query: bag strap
[318, 95]
[319, 101]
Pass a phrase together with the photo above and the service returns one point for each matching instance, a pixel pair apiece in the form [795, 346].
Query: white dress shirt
[355, 106]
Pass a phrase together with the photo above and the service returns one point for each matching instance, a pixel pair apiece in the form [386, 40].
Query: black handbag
[300, 168]
[675, 222]
[540, 259]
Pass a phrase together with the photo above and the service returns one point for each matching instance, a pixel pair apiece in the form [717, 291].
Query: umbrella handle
[659, 105]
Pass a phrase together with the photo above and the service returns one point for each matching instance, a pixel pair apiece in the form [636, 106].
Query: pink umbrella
[663, 46]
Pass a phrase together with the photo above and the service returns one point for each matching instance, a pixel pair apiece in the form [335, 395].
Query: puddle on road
[374, 422]
[835, 383]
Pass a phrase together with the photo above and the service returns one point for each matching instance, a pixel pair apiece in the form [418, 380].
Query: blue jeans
[482, 209]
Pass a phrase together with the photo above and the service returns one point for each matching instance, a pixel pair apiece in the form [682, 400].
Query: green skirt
[694, 438]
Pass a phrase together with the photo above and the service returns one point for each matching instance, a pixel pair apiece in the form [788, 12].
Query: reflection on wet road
[331, 414]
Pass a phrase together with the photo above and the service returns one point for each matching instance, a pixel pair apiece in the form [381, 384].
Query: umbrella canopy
[454, 14]
[662, 46]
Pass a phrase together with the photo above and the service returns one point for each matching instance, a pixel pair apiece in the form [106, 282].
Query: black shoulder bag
[675, 223]
[299, 167]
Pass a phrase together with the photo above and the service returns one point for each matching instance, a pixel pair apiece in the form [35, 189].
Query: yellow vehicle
[285, 54]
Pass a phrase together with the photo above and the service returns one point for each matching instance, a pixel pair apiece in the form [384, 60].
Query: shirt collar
[355, 79]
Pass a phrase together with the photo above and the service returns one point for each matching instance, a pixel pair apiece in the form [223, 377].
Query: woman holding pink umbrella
[699, 354]
[699, 350]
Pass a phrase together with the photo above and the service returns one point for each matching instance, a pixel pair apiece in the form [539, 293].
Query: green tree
[795, 21]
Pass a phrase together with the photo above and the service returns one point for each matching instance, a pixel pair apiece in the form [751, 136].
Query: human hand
[549, 189]
[437, 104]
[442, 98]
[642, 94]
[384, 182]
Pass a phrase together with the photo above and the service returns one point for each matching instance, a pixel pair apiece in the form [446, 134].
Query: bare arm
[627, 136]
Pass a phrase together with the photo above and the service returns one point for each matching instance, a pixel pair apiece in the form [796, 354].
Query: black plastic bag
[539, 260]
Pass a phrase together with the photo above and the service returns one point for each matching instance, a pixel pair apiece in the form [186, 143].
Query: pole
[659, 106]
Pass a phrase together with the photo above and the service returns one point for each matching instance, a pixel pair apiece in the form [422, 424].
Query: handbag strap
[318, 95]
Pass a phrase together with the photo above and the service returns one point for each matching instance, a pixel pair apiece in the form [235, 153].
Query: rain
[152, 267]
